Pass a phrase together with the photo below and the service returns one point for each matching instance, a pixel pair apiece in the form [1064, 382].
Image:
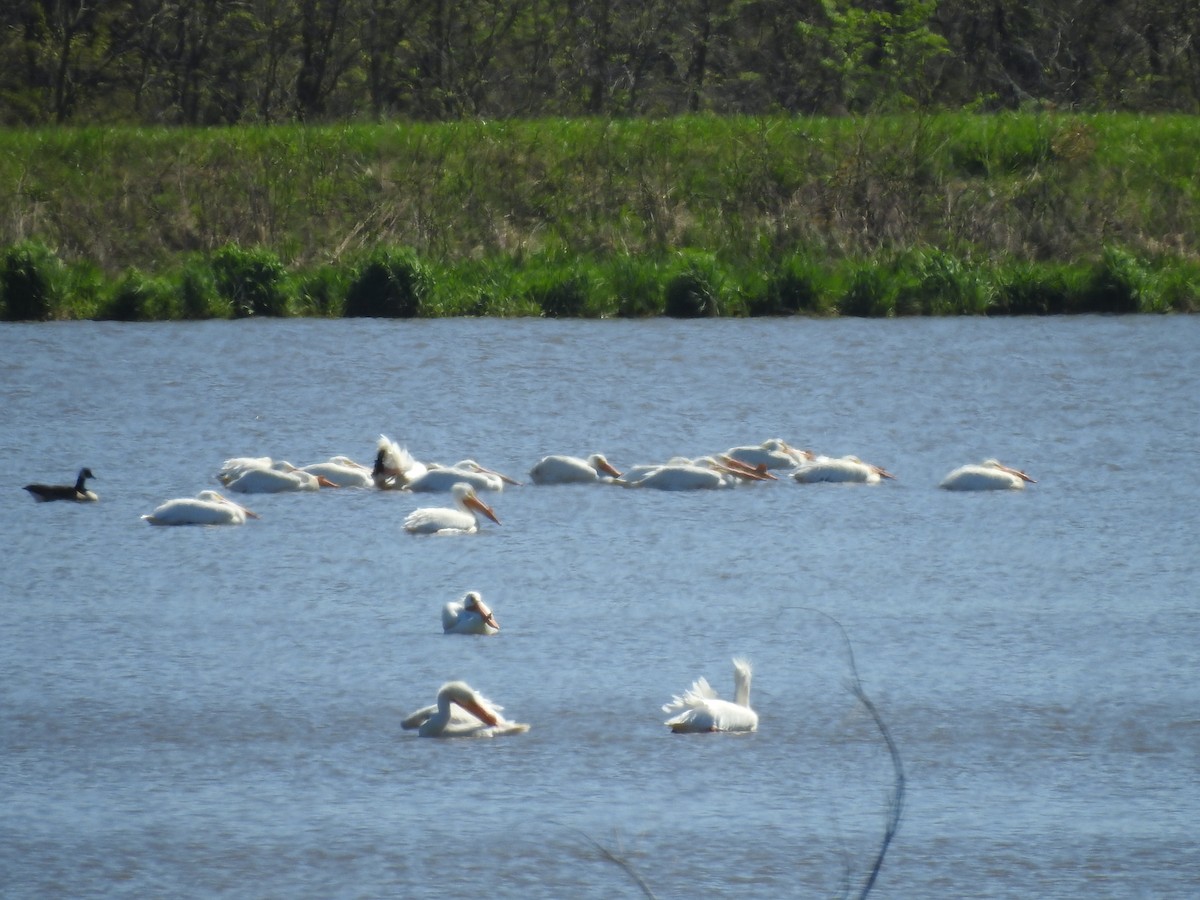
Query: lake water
[215, 711]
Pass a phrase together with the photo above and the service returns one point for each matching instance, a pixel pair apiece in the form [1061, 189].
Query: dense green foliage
[221, 62]
[1032, 213]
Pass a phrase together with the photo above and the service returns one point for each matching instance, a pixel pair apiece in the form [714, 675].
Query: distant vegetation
[1029, 213]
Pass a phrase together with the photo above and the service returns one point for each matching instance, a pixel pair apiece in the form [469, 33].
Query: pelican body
[774, 454]
[275, 481]
[469, 615]
[443, 478]
[572, 470]
[206, 508]
[989, 475]
[341, 471]
[462, 519]
[77, 492]
[700, 710]
[841, 469]
[461, 711]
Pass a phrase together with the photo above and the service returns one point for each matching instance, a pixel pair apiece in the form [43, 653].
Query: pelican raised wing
[560, 469]
[461, 711]
[989, 475]
[468, 615]
[206, 508]
[701, 710]
[45, 493]
[395, 468]
[839, 469]
[463, 518]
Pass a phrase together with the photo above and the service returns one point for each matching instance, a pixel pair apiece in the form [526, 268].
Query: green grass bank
[1038, 213]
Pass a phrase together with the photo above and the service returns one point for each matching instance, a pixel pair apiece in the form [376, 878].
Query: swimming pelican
[275, 481]
[395, 468]
[206, 508]
[989, 475]
[572, 470]
[682, 474]
[443, 478]
[775, 453]
[342, 471]
[468, 615]
[462, 519]
[461, 711]
[839, 469]
[701, 710]
[44, 493]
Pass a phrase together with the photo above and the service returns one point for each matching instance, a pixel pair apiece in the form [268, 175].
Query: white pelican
[461, 712]
[774, 454]
[442, 478]
[839, 469]
[700, 710]
[468, 615]
[395, 468]
[462, 519]
[989, 475]
[275, 481]
[206, 508]
[342, 471]
[572, 470]
[44, 493]
[682, 474]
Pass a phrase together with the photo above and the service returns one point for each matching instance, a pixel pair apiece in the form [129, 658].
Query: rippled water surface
[215, 711]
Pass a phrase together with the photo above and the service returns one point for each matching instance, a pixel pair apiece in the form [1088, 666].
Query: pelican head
[217, 497]
[466, 498]
[473, 601]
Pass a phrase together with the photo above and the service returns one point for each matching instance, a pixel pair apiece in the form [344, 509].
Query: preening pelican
[839, 469]
[275, 481]
[468, 615]
[206, 508]
[462, 519]
[395, 468]
[461, 712]
[989, 475]
[341, 471]
[44, 493]
[774, 454]
[701, 710]
[572, 470]
[443, 478]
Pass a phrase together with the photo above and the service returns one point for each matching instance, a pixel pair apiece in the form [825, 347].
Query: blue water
[215, 711]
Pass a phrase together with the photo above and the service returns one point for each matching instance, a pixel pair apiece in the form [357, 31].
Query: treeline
[219, 62]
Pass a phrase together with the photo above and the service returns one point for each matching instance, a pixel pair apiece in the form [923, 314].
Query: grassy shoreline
[911, 215]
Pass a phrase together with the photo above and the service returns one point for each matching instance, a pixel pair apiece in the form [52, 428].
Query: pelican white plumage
[989, 475]
[774, 453]
[560, 469]
[395, 468]
[468, 615]
[461, 711]
[462, 519]
[46, 493]
[839, 469]
[342, 471]
[701, 710]
[275, 481]
[443, 478]
[683, 474]
[206, 508]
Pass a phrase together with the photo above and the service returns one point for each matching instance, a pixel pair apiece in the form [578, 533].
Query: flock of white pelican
[460, 710]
